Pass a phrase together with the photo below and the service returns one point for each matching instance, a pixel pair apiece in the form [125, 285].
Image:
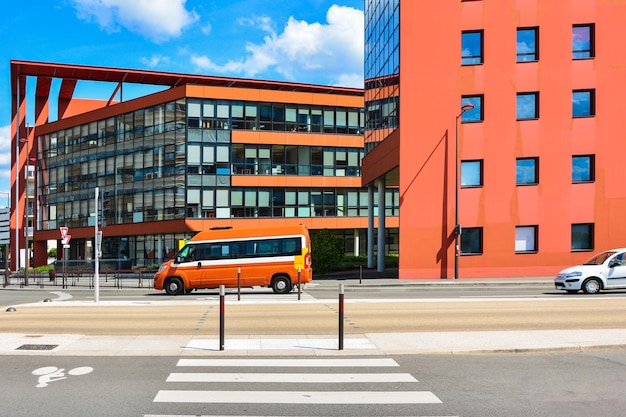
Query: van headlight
[161, 268]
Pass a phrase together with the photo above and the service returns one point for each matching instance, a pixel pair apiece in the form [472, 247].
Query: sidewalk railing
[81, 278]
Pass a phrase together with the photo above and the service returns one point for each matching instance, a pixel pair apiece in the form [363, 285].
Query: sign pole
[96, 276]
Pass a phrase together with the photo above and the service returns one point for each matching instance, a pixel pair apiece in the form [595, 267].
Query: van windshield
[600, 258]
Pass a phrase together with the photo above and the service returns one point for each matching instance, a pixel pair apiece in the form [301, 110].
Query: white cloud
[155, 60]
[303, 50]
[5, 146]
[157, 20]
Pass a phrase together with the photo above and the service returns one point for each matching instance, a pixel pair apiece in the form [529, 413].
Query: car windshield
[600, 258]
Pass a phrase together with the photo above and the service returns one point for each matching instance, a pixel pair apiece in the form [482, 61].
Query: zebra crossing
[376, 382]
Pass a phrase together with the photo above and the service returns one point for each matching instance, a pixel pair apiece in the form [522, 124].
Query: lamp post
[457, 226]
[26, 180]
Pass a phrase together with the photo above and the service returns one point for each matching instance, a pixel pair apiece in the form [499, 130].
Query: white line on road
[300, 362]
[289, 378]
[298, 397]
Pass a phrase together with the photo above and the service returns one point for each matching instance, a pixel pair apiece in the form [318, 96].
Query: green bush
[326, 251]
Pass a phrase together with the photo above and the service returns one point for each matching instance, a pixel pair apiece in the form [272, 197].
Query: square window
[525, 239]
[527, 171]
[527, 106]
[472, 47]
[582, 236]
[475, 114]
[583, 103]
[583, 167]
[472, 240]
[472, 173]
[583, 41]
[527, 44]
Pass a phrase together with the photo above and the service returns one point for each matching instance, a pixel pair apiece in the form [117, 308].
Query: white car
[605, 271]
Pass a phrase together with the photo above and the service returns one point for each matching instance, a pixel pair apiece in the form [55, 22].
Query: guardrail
[82, 278]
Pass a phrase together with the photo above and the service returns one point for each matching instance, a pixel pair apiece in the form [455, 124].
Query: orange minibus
[267, 257]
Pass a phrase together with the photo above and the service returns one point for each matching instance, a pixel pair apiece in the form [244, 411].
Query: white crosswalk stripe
[246, 382]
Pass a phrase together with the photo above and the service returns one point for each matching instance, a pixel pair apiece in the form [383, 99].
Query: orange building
[199, 152]
[501, 122]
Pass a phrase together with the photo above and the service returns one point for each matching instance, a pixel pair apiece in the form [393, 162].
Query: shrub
[326, 251]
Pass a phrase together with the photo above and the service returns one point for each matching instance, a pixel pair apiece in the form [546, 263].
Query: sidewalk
[295, 345]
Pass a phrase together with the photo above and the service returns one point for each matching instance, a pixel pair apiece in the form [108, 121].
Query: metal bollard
[222, 294]
[238, 284]
[299, 287]
[341, 312]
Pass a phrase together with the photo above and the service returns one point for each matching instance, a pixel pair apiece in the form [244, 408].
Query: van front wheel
[174, 286]
[281, 285]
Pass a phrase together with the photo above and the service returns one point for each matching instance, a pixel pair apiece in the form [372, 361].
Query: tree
[326, 250]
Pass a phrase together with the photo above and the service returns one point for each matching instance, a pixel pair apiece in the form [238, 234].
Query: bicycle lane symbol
[49, 374]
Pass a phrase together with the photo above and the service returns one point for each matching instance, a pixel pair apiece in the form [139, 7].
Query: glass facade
[176, 160]
[382, 69]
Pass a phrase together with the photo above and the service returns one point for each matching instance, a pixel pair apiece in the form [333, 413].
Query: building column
[357, 243]
[370, 226]
[381, 224]
[158, 255]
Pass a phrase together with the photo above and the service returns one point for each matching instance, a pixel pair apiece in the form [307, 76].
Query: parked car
[604, 271]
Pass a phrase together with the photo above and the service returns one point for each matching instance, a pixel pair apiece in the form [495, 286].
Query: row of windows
[280, 202]
[288, 160]
[583, 44]
[235, 115]
[526, 239]
[527, 105]
[131, 205]
[169, 120]
[527, 171]
[288, 246]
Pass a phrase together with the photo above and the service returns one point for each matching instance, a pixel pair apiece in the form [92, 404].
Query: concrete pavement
[354, 344]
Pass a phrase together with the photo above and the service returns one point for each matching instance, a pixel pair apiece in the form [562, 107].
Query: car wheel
[592, 286]
[281, 285]
[174, 286]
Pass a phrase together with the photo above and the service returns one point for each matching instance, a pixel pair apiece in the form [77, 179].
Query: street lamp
[26, 180]
[457, 226]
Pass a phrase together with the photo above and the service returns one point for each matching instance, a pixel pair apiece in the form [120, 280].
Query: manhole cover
[37, 347]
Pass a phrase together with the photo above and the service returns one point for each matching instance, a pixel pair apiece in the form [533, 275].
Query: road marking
[289, 378]
[300, 362]
[298, 397]
[280, 344]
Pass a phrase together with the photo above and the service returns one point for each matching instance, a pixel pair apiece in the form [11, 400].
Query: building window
[582, 236]
[527, 171]
[472, 173]
[525, 239]
[527, 106]
[475, 114]
[583, 41]
[527, 44]
[583, 103]
[583, 167]
[472, 47]
[472, 241]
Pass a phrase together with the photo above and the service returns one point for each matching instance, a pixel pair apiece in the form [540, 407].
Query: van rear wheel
[174, 286]
[281, 285]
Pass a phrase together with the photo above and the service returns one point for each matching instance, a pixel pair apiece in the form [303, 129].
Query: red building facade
[539, 182]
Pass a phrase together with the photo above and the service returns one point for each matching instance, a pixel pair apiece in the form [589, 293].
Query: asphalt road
[495, 385]
[263, 313]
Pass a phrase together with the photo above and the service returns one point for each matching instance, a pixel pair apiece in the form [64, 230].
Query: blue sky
[310, 41]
